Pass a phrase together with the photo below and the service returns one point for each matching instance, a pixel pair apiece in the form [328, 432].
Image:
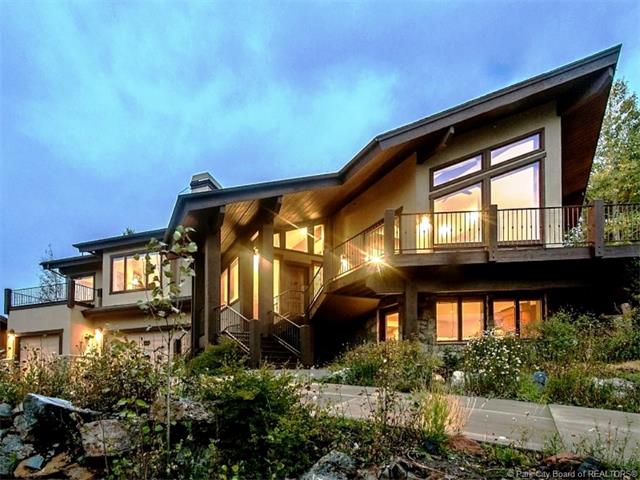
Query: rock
[333, 466]
[54, 467]
[76, 472]
[620, 387]
[457, 379]
[182, 410]
[105, 437]
[6, 414]
[462, 444]
[11, 449]
[29, 467]
[24, 428]
[438, 378]
[589, 467]
[397, 470]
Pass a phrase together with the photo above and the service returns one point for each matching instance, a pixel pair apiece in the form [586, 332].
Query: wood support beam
[410, 310]
[425, 154]
[211, 266]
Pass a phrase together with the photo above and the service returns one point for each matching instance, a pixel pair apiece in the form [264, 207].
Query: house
[467, 220]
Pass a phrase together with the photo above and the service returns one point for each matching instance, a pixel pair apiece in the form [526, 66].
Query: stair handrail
[287, 333]
[233, 329]
[316, 294]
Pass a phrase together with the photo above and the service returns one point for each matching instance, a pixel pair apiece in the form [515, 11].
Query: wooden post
[328, 262]
[98, 299]
[265, 280]
[490, 231]
[595, 229]
[212, 270]
[410, 310]
[255, 343]
[306, 345]
[389, 234]
[71, 293]
[7, 300]
[198, 340]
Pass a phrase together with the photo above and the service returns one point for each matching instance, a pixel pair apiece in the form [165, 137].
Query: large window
[297, 240]
[516, 316]
[459, 319]
[507, 176]
[391, 324]
[318, 239]
[129, 273]
[224, 290]
[462, 318]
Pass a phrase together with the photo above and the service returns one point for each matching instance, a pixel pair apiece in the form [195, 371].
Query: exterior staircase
[274, 353]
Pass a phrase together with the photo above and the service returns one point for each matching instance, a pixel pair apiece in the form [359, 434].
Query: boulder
[104, 438]
[12, 448]
[563, 461]
[24, 428]
[620, 387]
[182, 410]
[457, 379]
[333, 466]
[396, 470]
[6, 415]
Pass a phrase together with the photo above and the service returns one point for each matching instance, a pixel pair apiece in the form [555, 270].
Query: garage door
[154, 344]
[43, 346]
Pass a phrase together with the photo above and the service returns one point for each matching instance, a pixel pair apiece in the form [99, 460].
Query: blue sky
[108, 108]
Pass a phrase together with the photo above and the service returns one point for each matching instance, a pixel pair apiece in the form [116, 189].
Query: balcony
[517, 234]
[53, 294]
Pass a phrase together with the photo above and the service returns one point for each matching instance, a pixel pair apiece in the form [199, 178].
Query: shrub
[557, 338]
[451, 361]
[624, 342]
[402, 365]
[438, 416]
[262, 425]
[215, 358]
[493, 364]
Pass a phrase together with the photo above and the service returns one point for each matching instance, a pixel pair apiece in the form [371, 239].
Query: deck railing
[621, 223]
[41, 295]
[545, 227]
[366, 246]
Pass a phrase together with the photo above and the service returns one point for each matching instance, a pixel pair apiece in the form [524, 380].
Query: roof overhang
[565, 85]
[120, 241]
[78, 262]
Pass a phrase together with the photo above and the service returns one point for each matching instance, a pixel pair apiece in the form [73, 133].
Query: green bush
[262, 425]
[403, 365]
[494, 364]
[226, 354]
[557, 338]
[624, 342]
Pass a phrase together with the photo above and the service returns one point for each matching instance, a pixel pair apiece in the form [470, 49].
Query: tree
[615, 177]
[128, 231]
[51, 283]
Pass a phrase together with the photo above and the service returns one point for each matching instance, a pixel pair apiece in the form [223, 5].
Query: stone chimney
[204, 182]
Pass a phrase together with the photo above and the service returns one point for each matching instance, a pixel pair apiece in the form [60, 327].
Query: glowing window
[276, 283]
[458, 170]
[297, 240]
[472, 318]
[457, 216]
[276, 240]
[530, 316]
[504, 316]
[318, 239]
[392, 326]
[233, 281]
[224, 287]
[129, 273]
[515, 149]
[447, 320]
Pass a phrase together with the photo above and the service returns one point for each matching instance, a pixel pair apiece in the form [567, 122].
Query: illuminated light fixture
[444, 230]
[376, 259]
[254, 236]
[473, 217]
[98, 339]
[425, 224]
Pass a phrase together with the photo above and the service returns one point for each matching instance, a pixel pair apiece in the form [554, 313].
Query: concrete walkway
[522, 424]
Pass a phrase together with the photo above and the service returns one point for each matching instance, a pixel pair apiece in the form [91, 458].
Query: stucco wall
[396, 189]
[502, 131]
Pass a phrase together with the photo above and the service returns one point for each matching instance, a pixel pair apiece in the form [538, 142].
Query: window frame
[236, 297]
[486, 168]
[141, 254]
[487, 300]
[459, 299]
[281, 233]
[382, 324]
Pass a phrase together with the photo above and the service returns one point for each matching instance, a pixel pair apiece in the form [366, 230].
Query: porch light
[473, 217]
[425, 224]
[444, 230]
[376, 259]
[98, 339]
